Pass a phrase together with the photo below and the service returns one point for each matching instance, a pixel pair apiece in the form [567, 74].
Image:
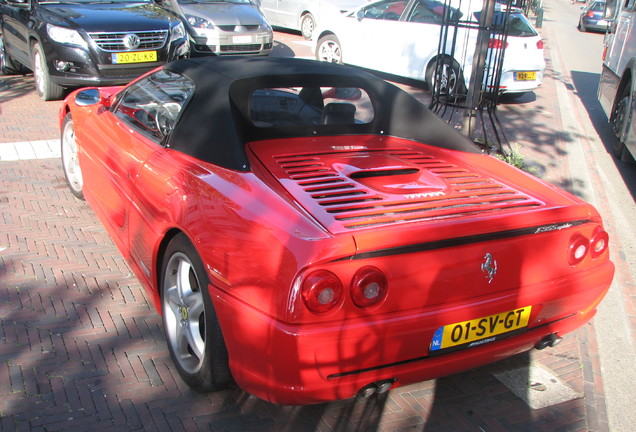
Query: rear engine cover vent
[355, 189]
[382, 173]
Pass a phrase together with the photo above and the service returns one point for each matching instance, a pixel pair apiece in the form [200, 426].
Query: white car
[402, 37]
[303, 15]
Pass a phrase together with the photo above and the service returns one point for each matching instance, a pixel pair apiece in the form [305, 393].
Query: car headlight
[198, 22]
[177, 32]
[65, 35]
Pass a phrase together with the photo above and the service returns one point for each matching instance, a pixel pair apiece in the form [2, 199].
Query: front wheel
[70, 160]
[329, 50]
[46, 88]
[620, 121]
[192, 329]
[307, 25]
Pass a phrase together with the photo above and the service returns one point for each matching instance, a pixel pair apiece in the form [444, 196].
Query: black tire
[8, 66]
[193, 333]
[45, 88]
[307, 25]
[70, 160]
[328, 49]
[582, 26]
[620, 121]
[445, 77]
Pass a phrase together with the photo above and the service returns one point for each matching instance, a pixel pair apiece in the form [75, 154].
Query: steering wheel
[166, 117]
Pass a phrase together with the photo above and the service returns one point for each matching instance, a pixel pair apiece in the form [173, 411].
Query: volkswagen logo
[489, 267]
[131, 41]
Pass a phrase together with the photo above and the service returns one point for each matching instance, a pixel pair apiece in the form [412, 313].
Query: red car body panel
[426, 217]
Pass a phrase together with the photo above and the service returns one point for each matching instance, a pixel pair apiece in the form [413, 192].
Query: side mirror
[91, 96]
[360, 15]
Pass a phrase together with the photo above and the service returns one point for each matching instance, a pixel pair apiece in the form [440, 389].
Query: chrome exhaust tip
[378, 387]
[367, 391]
[550, 340]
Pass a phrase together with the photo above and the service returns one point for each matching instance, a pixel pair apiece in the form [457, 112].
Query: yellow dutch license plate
[525, 76]
[134, 57]
[479, 331]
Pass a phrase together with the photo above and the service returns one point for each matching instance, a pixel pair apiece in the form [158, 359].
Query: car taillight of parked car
[580, 246]
[369, 287]
[495, 43]
[322, 290]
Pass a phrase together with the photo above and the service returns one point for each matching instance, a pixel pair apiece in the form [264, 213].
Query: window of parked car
[153, 104]
[386, 10]
[307, 106]
[433, 12]
[518, 24]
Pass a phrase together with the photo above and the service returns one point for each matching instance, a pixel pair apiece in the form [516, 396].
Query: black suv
[76, 43]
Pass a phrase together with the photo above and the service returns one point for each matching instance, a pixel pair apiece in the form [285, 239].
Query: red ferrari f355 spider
[309, 231]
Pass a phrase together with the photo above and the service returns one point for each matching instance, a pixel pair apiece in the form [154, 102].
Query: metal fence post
[539, 22]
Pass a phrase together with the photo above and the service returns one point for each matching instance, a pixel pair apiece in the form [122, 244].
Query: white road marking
[28, 150]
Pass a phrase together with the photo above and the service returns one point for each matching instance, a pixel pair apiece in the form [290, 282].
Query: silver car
[303, 15]
[223, 27]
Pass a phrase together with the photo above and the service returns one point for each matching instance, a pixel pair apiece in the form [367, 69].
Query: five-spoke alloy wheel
[329, 49]
[194, 336]
[70, 160]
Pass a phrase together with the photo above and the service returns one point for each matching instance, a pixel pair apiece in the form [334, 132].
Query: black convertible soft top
[215, 124]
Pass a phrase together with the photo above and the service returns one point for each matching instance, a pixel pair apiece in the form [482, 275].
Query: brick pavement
[81, 348]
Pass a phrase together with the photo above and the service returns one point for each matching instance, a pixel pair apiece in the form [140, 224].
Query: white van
[617, 86]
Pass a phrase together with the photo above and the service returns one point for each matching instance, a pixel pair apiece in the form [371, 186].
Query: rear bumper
[296, 364]
[595, 24]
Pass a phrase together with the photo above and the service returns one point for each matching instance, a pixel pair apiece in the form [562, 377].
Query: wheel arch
[626, 80]
[161, 252]
[324, 33]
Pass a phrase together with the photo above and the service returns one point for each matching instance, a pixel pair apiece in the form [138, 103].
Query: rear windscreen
[307, 106]
[518, 24]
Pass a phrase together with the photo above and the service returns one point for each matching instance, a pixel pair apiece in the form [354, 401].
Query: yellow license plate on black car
[525, 76]
[479, 331]
[134, 57]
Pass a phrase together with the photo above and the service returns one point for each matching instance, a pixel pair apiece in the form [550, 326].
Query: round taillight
[369, 287]
[599, 242]
[321, 291]
[577, 249]
[540, 44]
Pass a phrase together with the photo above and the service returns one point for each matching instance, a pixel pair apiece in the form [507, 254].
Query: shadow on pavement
[14, 86]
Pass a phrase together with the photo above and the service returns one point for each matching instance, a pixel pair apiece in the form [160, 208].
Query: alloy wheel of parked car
[329, 49]
[444, 77]
[46, 88]
[194, 336]
[621, 120]
[307, 25]
[70, 161]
